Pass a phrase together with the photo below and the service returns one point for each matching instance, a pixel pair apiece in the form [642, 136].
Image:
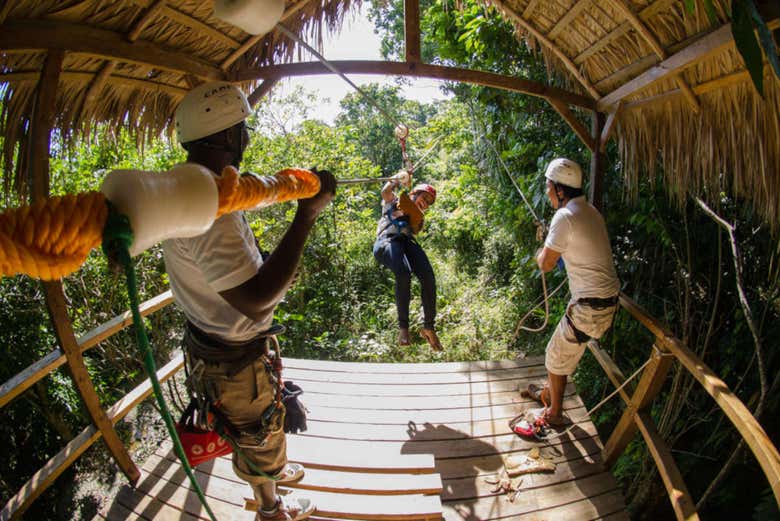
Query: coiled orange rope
[51, 239]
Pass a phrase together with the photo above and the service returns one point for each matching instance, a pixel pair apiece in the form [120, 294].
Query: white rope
[545, 299]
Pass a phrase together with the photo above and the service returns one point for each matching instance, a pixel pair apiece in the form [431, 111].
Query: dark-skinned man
[577, 234]
[228, 294]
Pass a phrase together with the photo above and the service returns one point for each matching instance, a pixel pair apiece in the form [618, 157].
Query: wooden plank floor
[403, 442]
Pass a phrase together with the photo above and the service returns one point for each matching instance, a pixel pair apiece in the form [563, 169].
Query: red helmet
[424, 187]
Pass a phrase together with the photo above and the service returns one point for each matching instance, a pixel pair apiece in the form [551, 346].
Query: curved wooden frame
[667, 348]
[420, 70]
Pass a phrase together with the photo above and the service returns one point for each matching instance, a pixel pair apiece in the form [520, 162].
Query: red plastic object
[201, 446]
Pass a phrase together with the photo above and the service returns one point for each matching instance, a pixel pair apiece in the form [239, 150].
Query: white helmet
[208, 109]
[564, 171]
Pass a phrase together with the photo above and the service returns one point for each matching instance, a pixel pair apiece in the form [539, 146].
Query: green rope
[117, 238]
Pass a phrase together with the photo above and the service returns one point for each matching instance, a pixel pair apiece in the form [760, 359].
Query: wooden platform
[403, 442]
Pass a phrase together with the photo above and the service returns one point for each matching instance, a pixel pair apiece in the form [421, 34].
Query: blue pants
[403, 256]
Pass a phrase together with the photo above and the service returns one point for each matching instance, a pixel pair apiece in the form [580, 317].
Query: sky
[355, 41]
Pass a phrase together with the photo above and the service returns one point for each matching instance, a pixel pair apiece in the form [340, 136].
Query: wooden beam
[702, 88]
[261, 91]
[199, 27]
[147, 17]
[711, 43]
[44, 112]
[612, 371]
[422, 70]
[658, 49]
[5, 10]
[56, 358]
[646, 390]
[683, 505]
[609, 126]
[97, 83]
[623, 28]
[88, 77]
[47, 34]
[192, 23]
[578, 128]
[566, 19]
[596, 195]
[529, 9]
[55, 301]
[252, 40]
[412, 30]
[40, 132]
[525, 24]
[42, 479]
[747, 425]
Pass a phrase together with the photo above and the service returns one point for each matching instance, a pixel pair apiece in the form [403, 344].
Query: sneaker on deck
[288, 508]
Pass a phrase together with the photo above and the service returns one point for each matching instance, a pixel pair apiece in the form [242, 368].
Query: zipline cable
[334, 70]
[517, 187]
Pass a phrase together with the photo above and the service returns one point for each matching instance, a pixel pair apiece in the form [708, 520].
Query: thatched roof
[684, 98]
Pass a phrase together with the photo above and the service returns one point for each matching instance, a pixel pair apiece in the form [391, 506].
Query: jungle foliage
[481, 239]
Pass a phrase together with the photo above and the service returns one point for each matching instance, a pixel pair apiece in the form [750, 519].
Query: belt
[237, 355]
[599, 303]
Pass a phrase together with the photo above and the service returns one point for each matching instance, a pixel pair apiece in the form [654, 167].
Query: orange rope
[245, 192]
[52, 238]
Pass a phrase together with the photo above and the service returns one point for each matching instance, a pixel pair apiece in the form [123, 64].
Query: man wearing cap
[577, 234]
[228, 294]
[397, 249]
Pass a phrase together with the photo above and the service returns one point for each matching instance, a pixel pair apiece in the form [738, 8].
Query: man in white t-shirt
[228, 294]
[577, 234]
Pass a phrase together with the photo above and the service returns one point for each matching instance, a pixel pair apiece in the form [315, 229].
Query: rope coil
[52, 238]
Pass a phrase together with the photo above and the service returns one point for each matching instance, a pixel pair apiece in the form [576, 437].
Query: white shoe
[288, 508]
[291, 473]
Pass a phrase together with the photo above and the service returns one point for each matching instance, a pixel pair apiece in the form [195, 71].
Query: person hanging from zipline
[577, 234]
[397, 249]
[228, 295]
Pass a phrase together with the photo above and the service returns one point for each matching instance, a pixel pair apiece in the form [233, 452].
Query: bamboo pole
[40, 135]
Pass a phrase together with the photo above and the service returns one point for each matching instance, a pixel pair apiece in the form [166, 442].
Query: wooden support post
[649, 385]
[40, 135]
[412, 30]
[582, 132]
[596, 195]
[682, 503]
[611, 369]
[264, 88]
[609, 126]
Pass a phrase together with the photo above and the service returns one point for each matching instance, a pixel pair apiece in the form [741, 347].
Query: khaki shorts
[243, 398]
[563, 351]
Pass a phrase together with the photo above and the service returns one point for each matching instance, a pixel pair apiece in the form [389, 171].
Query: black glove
[295, 417]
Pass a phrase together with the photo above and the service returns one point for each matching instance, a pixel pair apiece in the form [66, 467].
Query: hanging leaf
[747, 45]
[765, 37]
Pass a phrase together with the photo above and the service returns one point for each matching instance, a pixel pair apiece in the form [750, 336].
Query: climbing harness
[536, 428]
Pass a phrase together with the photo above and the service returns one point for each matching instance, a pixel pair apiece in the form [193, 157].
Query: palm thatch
[683, 99]
[130, 92]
